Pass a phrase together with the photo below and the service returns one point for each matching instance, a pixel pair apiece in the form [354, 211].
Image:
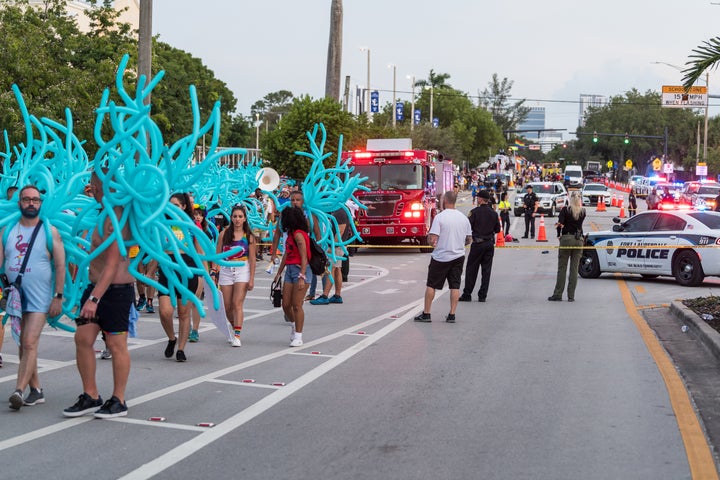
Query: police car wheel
[552, 211]
[688, 269]
[589, 265]
[518, 213]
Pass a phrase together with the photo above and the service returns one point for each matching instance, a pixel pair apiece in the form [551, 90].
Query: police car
[680, 244]
[552, 196]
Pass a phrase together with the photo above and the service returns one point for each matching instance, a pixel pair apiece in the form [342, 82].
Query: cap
[528, 186]
[484, 194]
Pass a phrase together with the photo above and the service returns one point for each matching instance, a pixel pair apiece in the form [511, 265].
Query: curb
[709, 337]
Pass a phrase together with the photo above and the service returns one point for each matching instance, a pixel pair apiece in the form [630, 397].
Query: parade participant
[485, 224]
[336, 269]
[200, 217]
[146, 292]
[295, 258]
[181, 201]
[449, 233]
[504, 209]
[9, 193]
[237, 280]
[26, 248]
[531, 203]
[105, 306]
[570, 220]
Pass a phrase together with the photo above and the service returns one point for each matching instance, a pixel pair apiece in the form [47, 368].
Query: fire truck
[405, 190]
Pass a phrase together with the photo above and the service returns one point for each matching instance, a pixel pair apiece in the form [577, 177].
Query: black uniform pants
[529, 224]
[480, 257]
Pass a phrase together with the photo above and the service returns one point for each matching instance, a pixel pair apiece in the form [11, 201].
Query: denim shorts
[292, 273]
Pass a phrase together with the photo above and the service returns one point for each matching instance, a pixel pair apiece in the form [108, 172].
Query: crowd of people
[113, 294]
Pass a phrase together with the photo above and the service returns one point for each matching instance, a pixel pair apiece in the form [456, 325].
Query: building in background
[587, 101]
[534, 120]
[76, 9]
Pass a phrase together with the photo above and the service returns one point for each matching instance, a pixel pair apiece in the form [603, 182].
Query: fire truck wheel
[424, 244]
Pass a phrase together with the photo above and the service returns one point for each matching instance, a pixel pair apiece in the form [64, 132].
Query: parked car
[655, 243]
[552, 196]
[634, 183]
[592, 192]
[646, 184]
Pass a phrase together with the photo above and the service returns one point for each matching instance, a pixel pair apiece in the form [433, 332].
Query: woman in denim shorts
[295, 258]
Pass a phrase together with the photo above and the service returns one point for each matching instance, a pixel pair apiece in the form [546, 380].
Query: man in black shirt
[485, 225]
[531, 205]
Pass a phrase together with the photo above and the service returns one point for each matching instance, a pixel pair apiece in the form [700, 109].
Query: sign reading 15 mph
[677, 97]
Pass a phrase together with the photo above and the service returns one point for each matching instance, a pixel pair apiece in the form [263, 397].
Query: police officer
[531, 205]
[485, 225]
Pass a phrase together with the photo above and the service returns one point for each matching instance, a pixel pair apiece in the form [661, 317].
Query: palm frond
[703, 57]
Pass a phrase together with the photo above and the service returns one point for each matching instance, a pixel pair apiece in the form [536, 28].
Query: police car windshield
[707, 190]
[710, 220]
[543, 188]
[595, 186]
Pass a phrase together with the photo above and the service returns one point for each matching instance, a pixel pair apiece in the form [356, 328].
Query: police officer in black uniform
[485, 226]
[531, 205]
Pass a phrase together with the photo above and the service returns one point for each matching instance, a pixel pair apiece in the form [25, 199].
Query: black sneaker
[16, 400]
[465, 298]
[180, 357]
[85, 404]
[450, 318]
[170, 349]
[35, 397]
[111, 409]
[423, 317]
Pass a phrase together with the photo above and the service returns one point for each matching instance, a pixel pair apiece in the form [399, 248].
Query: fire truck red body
[405, 190]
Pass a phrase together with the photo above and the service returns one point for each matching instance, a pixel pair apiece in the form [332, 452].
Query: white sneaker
[296, 342]
[235, 342]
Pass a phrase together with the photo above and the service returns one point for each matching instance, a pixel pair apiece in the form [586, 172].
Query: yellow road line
[700, 459]
[640, 289]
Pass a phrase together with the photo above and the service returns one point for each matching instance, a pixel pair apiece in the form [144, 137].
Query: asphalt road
[518, 388]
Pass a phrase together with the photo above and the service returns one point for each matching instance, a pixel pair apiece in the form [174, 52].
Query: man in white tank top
[42, 288]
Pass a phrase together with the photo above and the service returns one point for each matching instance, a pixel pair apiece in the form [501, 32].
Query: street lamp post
[257, 131]
[412, 103]
[367, 92]
[431, 104]
[394, 107]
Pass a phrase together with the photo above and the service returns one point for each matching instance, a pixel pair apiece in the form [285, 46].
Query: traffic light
[564, 145]
[595, 137]
[627, 139]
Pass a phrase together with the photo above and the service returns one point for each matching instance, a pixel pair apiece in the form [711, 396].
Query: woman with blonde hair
[569, 224]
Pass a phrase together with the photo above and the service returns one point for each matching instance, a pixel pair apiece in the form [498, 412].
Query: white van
[574, 176]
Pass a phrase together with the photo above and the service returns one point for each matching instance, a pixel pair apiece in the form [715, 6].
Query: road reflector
[248, 380]
[157, 419]
[205, 424]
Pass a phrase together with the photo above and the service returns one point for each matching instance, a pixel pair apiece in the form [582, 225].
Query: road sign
[399, 111]
[668, 168]
[416, 117]
[657, 163]
[534, 146]
[628, 164]
[436, 122]
[375, 101]
[677, 97]
[609, 164]
[701, 169]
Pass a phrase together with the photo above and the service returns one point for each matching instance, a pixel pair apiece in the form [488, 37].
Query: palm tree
[334, 60]
[435, 80]
[703, 57]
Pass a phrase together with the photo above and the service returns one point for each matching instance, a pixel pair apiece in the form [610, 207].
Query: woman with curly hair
[295, 258]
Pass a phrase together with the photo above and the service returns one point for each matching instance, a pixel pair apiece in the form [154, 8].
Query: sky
[553, 51]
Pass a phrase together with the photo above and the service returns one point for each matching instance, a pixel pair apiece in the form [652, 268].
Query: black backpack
[318, 259]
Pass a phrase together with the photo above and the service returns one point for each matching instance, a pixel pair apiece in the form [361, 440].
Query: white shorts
[231, 275]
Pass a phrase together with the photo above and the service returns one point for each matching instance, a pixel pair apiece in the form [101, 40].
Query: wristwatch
[94, 299]
[58, 295]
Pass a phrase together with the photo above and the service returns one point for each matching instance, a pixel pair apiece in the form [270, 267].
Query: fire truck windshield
[401, 176]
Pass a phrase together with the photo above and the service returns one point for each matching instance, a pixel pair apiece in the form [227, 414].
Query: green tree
[639, 114]
[496, 99]
[271, 108]
[279, 145]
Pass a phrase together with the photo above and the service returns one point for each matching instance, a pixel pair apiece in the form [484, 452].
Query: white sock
[298, 336]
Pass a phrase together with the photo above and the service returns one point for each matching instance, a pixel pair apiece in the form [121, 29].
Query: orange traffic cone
[621, 200]
[622, 208]
[500, 240]
[542, 237]
[613, 201]
[601, 205]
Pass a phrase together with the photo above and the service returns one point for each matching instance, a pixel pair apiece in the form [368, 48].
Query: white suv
[552, 196]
